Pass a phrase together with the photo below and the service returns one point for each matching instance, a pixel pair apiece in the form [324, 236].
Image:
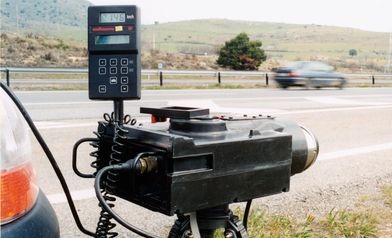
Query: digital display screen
[111, 39]
[112, 17]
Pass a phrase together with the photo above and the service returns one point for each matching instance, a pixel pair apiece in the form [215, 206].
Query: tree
[241, 54]
[352, 52]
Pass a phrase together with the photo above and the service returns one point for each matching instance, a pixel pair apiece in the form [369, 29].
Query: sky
[373, 15]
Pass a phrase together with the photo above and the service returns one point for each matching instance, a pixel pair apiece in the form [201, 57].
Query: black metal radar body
[202, 162]
[188, 163]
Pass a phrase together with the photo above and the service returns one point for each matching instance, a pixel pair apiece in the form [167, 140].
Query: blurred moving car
[25, 210]
[309, 74]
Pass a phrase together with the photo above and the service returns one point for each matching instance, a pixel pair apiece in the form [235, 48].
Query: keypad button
[102, 88]
[113, 80]
[102, 62]
[113, 70]
[124, 88]
[124, 62]
[124, 70]
[113, 62]
[124, 80]
[102, 70]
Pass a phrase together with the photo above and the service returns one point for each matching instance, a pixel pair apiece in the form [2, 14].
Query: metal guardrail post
[160, 78]
[373, 80]
[219, 78]
[266, 79]
[7, 76]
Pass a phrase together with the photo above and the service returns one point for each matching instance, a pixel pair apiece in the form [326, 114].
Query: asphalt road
[353, 127]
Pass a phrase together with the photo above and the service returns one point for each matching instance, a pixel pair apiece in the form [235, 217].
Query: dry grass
[364, 221]
[387, 191]
[33, 50]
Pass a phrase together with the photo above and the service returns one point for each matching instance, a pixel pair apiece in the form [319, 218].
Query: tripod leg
[208, 221]
[181, 228]
[235, 228]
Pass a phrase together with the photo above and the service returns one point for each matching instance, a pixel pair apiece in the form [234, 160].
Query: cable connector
[128, 165]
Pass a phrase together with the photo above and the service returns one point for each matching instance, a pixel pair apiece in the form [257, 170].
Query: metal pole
[388, 67]
[160, 78]
[219, 78]
[266, 79]
[7, 75]
[118, 108]
[373, 80]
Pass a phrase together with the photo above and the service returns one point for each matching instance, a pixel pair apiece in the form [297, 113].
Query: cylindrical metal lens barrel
[305, 147]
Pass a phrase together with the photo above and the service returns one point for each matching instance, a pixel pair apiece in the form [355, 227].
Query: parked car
[309, 74]
[25, 210]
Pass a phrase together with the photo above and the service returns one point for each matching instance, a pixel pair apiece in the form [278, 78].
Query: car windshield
[295, 65]
[317, 66]
[306, 65]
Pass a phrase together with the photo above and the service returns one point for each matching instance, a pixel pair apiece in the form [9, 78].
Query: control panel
[114, 52]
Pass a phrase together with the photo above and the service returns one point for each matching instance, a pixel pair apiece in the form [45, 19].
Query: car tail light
[293, 74]
[18, 187]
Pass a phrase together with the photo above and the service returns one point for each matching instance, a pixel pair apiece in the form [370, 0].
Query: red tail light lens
[293, 74]
[18, 192]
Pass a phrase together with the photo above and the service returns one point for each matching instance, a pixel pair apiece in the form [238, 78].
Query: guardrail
[148, 72]
[161, 73]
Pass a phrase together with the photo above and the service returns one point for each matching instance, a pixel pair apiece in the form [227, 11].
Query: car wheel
[309, 84]
[341, 85]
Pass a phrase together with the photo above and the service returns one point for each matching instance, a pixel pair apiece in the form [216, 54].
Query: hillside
[281, 41]
[32, 50]
[66, 19]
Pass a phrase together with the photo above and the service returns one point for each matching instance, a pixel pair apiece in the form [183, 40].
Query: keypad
[113, 70]
[124, 61]
[124, 88]
[102, 62]
[102, 88]
[115, 73]
[102, 70]
[124, 70]
[113, 62]
[113, 80]
[124, 80]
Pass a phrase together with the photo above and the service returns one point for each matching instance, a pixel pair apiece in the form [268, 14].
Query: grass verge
[360, 222]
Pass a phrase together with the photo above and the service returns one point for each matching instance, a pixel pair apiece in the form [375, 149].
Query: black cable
[75, 156]
[246, 213]
[51, 158]
[97, 185]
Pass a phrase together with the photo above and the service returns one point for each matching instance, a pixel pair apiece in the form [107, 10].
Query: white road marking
[218, 109]
[334, 109]
[339, 101]
[354, 151]
[45, 125]
[78, 195]
[333, 99]
[63, 103]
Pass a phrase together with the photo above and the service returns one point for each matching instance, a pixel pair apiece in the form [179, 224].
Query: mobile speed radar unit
[187, 162]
